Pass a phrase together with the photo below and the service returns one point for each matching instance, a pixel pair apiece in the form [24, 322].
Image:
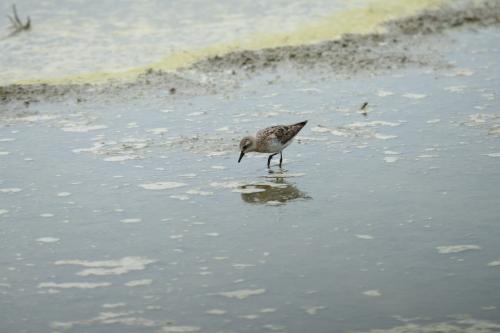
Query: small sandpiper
[270, 140]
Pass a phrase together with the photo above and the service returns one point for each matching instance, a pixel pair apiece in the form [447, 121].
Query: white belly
[275, 146]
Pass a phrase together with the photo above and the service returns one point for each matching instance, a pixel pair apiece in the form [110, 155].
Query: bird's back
[280, 135]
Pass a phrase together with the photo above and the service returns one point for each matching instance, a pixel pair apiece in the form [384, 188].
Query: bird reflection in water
[275, 190]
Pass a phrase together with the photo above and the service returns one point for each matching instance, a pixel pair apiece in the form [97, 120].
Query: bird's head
[247, 144]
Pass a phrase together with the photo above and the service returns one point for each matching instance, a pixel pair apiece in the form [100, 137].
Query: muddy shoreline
[405, 43]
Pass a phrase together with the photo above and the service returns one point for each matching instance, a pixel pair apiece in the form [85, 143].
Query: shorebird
[270, 140]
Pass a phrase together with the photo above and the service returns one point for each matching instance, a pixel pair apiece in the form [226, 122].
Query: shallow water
[136, 217]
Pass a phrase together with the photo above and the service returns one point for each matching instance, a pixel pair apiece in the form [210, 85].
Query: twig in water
[16, 24]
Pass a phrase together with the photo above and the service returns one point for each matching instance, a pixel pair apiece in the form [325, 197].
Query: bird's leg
[281, 158]
[269, 160]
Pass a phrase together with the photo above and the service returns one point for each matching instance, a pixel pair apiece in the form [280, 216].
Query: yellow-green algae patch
[361, 20]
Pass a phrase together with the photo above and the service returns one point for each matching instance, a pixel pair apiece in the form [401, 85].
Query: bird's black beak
[241, 156]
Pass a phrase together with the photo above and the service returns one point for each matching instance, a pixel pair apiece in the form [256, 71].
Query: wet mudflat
[135, 216]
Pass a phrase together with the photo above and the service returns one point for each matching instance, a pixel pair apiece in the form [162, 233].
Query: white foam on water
[267, 310]
[228, 184]
[199, 192]
[212, 234]
[218, 167]
[4, 153]
[63, 194]
[176, 236]
[10, 190]
[372, 293]
[391, 159]
[46, 215]
[463, 72]
[384, 93]
[113, 305]
[198, 113]
[242, 293]
[36, 118]
[384, 136]
[109, 267]
[428, 156]
[250, 189]
[3, 211]
[180, 329]
[285, 175]
[7, 139]
[488, 308]
[492, 155]
[78, 285]
[157, 131]
[364, 236]
[275, 328]
[216, 312]
[250, 316]
[455, 89]
[188, 175]
[414, 96]
[433, 121]
[161, 185]
[242, 266]
[312, 310]
[456, 248]
[131, 220]
[216, 153]
[390, 152]
[47, 239]
[460, 325]
[139, 283]
[78, 128]
[494, 263]
[181, 197]
[123, 318]
[374, 123]
[120, 158]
